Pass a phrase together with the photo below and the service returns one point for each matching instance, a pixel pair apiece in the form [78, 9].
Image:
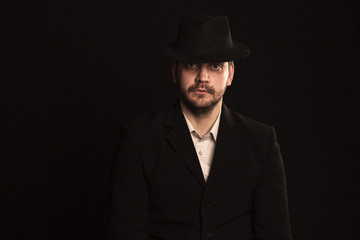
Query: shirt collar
[214, 129]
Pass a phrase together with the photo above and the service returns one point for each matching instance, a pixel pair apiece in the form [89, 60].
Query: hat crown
[204, 34]
[205, 39]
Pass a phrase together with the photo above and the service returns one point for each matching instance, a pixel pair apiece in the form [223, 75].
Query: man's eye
[216, 66]
[190, 65]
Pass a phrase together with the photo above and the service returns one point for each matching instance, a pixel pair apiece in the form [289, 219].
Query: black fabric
[159, 191]
[205, 39]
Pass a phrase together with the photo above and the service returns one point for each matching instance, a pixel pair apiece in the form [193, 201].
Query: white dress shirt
[205, 147]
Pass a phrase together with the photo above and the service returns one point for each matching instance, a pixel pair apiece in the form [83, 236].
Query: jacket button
[208, 234]
[207, 203]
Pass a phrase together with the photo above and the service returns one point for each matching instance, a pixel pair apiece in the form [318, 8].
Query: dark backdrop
[73, 71]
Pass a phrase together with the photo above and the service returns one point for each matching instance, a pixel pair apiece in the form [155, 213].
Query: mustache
[209, 89]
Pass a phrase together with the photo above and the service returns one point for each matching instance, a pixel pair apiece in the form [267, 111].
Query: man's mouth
[200, 90]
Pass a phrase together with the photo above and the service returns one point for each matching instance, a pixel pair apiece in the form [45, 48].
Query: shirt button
[200, 152]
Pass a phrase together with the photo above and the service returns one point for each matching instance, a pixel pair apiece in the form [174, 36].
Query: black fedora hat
[205, 39]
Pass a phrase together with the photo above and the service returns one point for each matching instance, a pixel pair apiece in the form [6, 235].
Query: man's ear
[231, 73]
[174, 71]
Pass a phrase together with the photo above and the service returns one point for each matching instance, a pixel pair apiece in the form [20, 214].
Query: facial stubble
[194, 105]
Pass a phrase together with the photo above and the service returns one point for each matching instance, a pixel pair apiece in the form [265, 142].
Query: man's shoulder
[249, 123]
[146, 122]
[259, 133]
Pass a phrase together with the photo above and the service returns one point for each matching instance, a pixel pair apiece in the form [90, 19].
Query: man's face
[202, 85]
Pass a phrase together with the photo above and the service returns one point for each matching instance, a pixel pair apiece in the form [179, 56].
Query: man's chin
[202, 104]
[201, 107]
[202, 100]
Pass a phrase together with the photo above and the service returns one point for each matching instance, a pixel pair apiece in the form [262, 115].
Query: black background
[73, 71]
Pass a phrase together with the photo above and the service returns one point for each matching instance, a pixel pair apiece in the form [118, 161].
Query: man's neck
[204, 122]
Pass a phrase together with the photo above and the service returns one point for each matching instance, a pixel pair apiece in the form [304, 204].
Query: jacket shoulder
[145, 124]
[262, 136]
[262, 139]
[254, 127]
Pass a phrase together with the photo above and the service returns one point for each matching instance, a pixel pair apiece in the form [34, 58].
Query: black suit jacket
[159, 192]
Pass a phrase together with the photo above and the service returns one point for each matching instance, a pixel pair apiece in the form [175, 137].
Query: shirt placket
[201, 150]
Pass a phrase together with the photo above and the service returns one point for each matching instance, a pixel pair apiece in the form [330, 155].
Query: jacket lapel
[233, 149]
[180, 140]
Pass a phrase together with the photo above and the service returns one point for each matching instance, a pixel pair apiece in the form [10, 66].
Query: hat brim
[236, 52]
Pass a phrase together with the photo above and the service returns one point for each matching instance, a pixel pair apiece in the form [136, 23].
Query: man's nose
[203, 75]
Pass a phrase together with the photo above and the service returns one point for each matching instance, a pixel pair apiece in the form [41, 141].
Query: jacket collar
[180, 140]
[226, 150]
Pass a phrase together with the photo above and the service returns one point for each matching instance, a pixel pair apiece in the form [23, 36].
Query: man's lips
[200, 91]
[203, 89]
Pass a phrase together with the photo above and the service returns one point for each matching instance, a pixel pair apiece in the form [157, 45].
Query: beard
[201, 105]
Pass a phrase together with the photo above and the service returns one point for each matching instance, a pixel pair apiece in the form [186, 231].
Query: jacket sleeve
[128, 219]
[271, 216]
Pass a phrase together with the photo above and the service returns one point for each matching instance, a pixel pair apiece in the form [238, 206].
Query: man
[199, 170]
